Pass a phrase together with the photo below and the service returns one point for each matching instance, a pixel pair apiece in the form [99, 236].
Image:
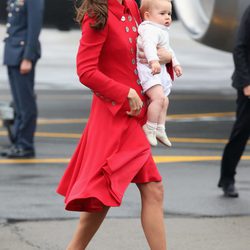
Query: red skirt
[112, 153]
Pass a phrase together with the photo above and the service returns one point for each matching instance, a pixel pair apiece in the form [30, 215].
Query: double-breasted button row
[123, 18]
[133, 28]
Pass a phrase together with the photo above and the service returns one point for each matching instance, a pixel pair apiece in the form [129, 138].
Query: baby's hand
[178, 70]
[155, 67]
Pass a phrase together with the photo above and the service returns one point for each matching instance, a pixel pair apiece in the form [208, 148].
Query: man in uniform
[21, 52]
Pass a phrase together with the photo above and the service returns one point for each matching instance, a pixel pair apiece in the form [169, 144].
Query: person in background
[21, 52]
[241, 128]
[109, 158]
[156, 81]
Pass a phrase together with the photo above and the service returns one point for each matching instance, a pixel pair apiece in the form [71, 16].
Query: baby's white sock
[161, 127]
[151, 125]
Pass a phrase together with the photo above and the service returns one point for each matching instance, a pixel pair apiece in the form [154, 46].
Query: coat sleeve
[89, 52]
[241, 50]
[34, 20]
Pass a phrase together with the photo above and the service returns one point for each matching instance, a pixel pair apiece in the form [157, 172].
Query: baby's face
[160, 13]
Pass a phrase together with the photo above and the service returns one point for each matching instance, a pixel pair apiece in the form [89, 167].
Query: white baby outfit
[151, 36]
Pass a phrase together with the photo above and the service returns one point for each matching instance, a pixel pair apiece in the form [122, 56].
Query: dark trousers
[22, 88]
[237, 141]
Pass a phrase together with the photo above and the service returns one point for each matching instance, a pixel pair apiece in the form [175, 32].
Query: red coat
[113, 150]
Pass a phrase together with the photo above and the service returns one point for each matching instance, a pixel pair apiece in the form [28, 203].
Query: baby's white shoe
[163, 138]
[151, 135]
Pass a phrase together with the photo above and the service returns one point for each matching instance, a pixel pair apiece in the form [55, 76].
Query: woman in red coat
[113, 150]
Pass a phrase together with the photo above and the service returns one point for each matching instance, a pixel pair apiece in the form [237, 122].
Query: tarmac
[197, 216]
[224, 233]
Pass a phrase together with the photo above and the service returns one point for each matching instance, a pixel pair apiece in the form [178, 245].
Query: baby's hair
[146, 5]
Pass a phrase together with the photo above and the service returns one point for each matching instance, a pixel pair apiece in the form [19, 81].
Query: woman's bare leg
[86, 229]
[152, 217]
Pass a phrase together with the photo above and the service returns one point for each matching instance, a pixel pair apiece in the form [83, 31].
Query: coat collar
[118, 9]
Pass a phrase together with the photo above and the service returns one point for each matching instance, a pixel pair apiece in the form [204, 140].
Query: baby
[154, 77]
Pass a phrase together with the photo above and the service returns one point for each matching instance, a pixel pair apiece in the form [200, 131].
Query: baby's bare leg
[162, 117]
[160, 131]
[157, 103]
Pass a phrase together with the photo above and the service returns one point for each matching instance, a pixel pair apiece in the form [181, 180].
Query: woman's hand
[135, 103]
[142, 56]
[164, 55]
[26, 66]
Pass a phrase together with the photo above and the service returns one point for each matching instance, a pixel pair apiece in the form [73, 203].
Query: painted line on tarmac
[58, 135]
[199, 140]
[35, 161]
[173, 139]
[219, 116]
[77, 136]
[51, 135]
[158, 159]
[44, 121]
[197, 115]
[178, 117]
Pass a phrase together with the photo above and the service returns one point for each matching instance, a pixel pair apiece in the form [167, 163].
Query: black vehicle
[58, 13]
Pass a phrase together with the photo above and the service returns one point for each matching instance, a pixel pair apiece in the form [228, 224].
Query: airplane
[211, 22]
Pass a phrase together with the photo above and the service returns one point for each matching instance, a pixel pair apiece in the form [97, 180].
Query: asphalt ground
[200, 118]
[197, 215]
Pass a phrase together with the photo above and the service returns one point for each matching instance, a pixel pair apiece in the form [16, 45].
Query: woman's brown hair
[98, 9]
